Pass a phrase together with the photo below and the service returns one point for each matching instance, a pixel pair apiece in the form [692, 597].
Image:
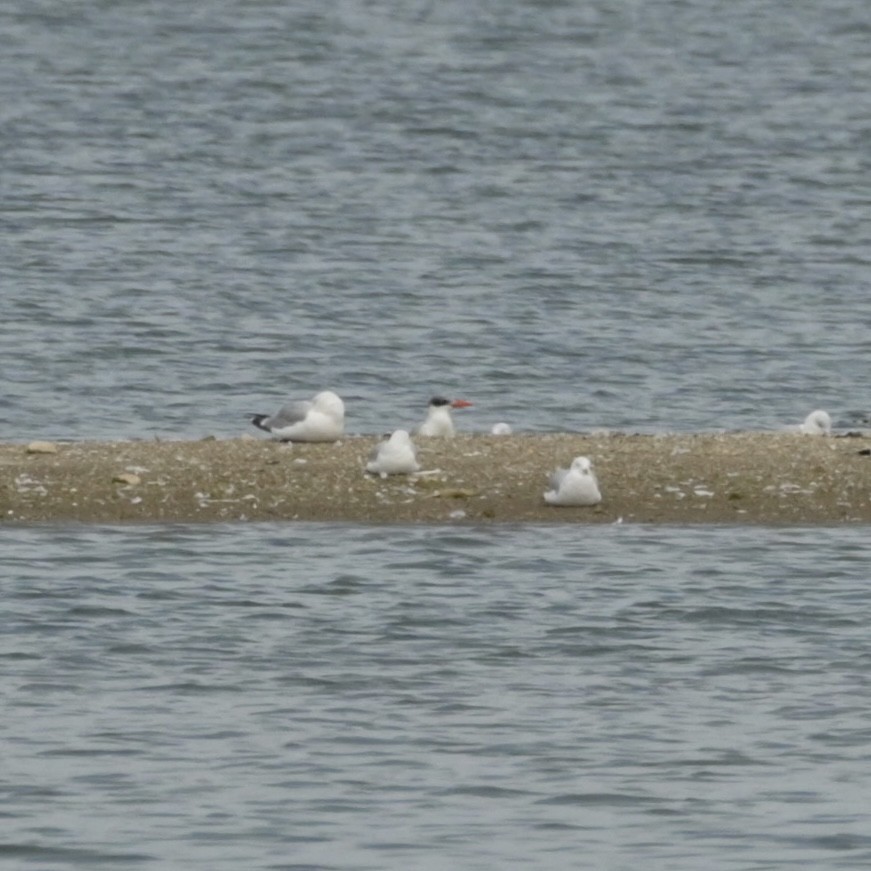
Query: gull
[321, 419]
[501, 429]
[576, 485]
[396, 455]
[817, 423]
[438, 419]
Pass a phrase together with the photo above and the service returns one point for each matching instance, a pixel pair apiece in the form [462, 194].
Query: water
[645, 216]
[627, 215]
[465, 698]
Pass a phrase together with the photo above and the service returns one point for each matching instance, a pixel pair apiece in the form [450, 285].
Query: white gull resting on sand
[576, 485]
[501, 429]
[817, 423]
[438, 419]
[396, 455]
[321, 419]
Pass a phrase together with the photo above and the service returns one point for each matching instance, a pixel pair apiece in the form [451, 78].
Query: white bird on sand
[438, 418]
[501, 429]
[576, 485]
[321, 419]
[817, 423]
[396, 455]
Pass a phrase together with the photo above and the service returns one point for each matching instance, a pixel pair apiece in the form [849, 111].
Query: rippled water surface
[340, 698]
[645, 216]
[607, 214]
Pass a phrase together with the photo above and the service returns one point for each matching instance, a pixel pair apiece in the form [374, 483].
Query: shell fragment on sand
[127, 478]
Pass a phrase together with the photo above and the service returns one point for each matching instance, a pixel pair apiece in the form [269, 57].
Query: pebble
[455, 493]
[42, 448]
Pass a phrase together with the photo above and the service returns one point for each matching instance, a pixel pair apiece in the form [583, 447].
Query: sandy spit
[743, 478]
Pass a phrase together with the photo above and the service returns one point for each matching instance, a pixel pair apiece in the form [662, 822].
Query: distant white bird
[501, 429]
[438, 419]
[576, 485]
[817, 423]
[396, 455]
[321, 419]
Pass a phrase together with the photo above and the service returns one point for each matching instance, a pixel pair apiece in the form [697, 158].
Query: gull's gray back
[557, 478]
[289, 414]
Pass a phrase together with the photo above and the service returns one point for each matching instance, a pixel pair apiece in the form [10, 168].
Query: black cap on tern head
[439, 400]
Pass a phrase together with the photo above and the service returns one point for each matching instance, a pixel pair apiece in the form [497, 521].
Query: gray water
[576, 214]
[436, 698]
[643, 216]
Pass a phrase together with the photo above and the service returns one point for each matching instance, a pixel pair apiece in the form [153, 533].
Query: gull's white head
[329, 403]
[582, 465]
[400, 438]
[817, 423]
